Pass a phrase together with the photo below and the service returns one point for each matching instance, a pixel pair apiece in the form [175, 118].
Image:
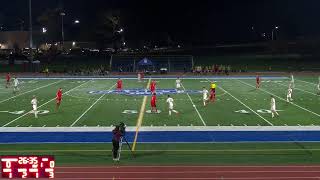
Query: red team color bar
[27, 166]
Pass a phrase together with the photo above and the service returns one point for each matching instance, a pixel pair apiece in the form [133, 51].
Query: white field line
[29, 91]
[212, 178]
[208, 178]
[307, 82]
[85, 112]
[187, 172]
[246, 106]
[194, 106]
[44, 104]
[283, 99]
[163, 150]
[299, 89]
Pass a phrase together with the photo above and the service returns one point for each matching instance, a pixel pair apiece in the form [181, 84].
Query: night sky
[197, 22]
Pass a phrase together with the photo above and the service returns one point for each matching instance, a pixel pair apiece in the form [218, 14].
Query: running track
[190, 172]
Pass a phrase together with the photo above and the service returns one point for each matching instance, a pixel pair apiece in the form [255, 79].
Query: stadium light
[76, 21]
[73, 43]
[44, 30]
[272, 33]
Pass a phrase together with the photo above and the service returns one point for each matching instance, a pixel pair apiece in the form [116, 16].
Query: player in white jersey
[273, 107]
[292, 81]
[170, 103]
[178, 83]
[289, 95]
[15, 85]
[205, 96]
[34, 103]
[139, 76]
[318, 87]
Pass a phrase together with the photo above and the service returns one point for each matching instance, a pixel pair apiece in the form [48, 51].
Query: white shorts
[170, 107]
[288, 95]
[273, 108]
[205, 98]
[34, 107]
[178, 86]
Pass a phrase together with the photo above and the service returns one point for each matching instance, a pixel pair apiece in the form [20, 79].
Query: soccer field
[94, 103]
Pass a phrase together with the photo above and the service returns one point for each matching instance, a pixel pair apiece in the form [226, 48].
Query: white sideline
[90, 107]
[194, 106]
[44, 104]
[29, 91]
[298, 89]
[247, 106]
[163, 150]
[161, 128]
[283, 99]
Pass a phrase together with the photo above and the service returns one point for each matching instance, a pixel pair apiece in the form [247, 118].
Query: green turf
[176, 154]
[79, 108]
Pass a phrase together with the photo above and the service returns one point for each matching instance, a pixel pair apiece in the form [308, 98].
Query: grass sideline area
[175, 154]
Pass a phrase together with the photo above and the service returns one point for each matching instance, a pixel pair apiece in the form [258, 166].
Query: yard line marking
[299, 89]
[85, 112]
[307, 82]
[30, 91]
[44, 126]
[282, 99]
[246, 106]
[140, 117]
[194, 106]
[44, 104]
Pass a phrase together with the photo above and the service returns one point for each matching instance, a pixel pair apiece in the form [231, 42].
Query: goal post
[130, 63]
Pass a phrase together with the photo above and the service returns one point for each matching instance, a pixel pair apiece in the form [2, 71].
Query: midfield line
[140, 118]
[299, 89]
[282, 99]
[85, 112]
[30, 91]
[244, 105]
[44, 104]
[194, 106]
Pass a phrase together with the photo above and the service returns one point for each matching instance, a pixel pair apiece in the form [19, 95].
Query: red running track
[190, 172]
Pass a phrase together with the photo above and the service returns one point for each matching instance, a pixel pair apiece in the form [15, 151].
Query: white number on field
[149, 112]
[130, 112]
[243, 111]
[262, 111]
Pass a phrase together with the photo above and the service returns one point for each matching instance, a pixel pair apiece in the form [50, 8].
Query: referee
[116, 136]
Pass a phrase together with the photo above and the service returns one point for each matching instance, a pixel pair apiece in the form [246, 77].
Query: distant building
[10, 39]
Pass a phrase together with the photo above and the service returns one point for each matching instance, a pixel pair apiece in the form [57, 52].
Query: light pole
[30, 25]
[272, 33]
[62, 30]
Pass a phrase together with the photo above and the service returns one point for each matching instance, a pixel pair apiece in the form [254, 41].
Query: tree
[108, 29]
[50, 19]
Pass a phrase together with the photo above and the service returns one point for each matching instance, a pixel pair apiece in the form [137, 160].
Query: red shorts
[153, 104]
[58, 100]
[119, 87]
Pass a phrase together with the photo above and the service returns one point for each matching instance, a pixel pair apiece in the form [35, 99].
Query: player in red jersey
[8, 78]
[58, 98]
[119, 84]
[258, 81]
[153, 86]
[154, 103]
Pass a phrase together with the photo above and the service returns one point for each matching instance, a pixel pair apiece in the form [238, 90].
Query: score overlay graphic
[27, 166]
